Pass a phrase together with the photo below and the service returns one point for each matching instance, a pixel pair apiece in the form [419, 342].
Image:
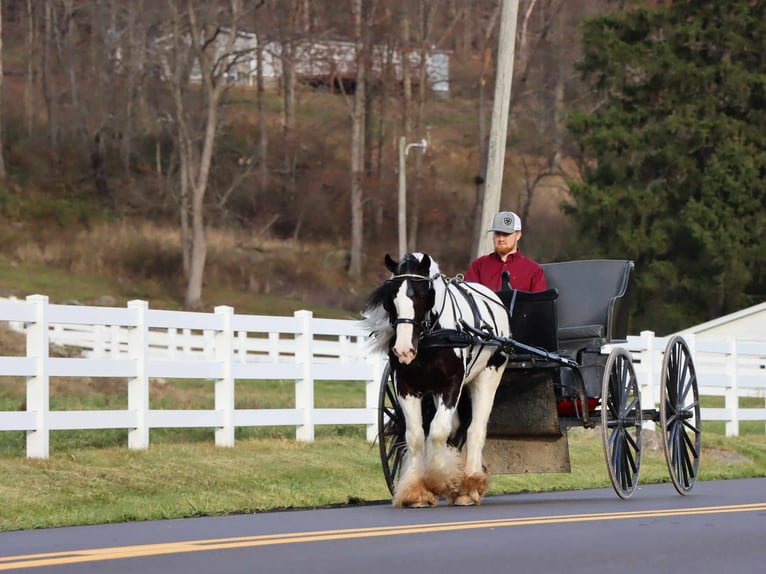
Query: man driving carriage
[525, 274]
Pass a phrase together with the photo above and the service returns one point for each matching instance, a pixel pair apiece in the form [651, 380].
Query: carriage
[567, 368]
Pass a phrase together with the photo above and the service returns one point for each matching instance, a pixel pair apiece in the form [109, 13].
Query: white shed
[745, 325]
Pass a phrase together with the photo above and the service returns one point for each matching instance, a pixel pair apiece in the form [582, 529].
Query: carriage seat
[532, 315]
[593, 303]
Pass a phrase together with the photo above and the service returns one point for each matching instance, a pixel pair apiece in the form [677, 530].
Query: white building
[327, 62]
[745, 325]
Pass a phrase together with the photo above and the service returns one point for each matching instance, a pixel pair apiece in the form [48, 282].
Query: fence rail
[141, 344]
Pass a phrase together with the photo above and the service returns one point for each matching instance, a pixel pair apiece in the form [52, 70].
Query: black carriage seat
[594, 301]
[532, 315]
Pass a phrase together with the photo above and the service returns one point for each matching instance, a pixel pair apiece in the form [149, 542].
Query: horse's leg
[475, 481]
[411, 491]
[442, 472]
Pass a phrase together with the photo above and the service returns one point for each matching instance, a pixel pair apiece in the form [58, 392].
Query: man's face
[505, 243]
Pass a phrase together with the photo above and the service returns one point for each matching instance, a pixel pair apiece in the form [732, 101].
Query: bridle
[425, 324]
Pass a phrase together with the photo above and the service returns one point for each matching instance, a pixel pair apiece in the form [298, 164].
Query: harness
[457, 337]
[414, 277]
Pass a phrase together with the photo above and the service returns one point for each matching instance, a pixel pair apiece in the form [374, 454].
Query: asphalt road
[719, 527]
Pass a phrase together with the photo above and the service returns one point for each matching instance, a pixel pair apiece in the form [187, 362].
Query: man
[526, 275]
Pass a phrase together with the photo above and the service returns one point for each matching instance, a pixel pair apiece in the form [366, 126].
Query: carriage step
[520, 455]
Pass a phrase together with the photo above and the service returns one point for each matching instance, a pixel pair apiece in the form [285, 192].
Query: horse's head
[409, 299]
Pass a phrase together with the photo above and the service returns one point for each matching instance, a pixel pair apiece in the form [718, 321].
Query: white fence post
[138, 386]
[224, 387]
[304, 387]
[38, 389]
[731, 394]
[372, 391]
[649, 358]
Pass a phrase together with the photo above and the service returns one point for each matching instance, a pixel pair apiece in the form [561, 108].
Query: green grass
[92, 477]
[86, 485]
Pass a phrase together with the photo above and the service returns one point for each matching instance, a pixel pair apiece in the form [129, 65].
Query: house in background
[745, 325]
[329, 64]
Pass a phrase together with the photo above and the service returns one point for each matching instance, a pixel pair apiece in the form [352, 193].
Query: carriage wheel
[391, 430]
[680, 415]
[621, 422]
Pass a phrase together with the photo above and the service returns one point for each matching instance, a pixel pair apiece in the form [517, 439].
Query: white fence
[140, 344]
[730, 369]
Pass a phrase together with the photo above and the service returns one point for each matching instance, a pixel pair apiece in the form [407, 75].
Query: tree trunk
[386, 80]
[133, 48]
[49, 95]
[263, 143]
[2, 138]
[357, 144]
[185, 209]
[213, 86]
[31, 80]
[406, 72]
[288, 14]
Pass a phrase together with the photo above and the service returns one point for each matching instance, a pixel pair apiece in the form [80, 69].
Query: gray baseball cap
[506, 222]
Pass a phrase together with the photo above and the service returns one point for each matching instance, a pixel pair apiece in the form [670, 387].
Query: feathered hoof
[472, 490]
[414, 496]
[448, 488]
[463, 500]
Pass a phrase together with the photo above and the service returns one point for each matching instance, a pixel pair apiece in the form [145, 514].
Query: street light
[404, 149]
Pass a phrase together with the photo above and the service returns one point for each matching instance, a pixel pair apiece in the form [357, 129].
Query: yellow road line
[113, 553]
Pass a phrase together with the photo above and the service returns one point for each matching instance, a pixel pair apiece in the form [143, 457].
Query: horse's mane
[376, 319]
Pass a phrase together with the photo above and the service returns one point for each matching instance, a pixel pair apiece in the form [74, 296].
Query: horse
[428, 325]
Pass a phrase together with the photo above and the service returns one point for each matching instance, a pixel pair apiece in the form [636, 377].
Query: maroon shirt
[526, 275]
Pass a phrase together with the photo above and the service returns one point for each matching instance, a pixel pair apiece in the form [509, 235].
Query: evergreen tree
[673, 157]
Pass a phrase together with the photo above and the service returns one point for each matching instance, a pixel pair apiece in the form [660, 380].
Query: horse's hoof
[422, 504]
[416, 498]
[464, 500]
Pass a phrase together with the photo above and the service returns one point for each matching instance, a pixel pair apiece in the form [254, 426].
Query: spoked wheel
[391, 430]
[621, 422]
[680, 415]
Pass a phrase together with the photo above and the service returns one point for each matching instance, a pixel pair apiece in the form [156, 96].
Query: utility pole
[493, 186]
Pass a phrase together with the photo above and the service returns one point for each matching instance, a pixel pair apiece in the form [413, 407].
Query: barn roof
[746, 315]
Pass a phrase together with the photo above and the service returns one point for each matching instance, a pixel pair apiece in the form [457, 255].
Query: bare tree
[361, 37]
[263, 142]
[288, 13]
[2, 139]
[50, 94]
[31, 41]
[197, 41]
[91, 82]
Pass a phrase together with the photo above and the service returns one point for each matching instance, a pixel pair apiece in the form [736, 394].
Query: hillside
[91, 205]
[55, 239]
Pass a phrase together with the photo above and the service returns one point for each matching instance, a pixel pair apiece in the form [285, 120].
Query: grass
[171, 479]
[92, 477]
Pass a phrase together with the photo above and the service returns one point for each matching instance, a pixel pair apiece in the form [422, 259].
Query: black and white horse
[405, 314]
